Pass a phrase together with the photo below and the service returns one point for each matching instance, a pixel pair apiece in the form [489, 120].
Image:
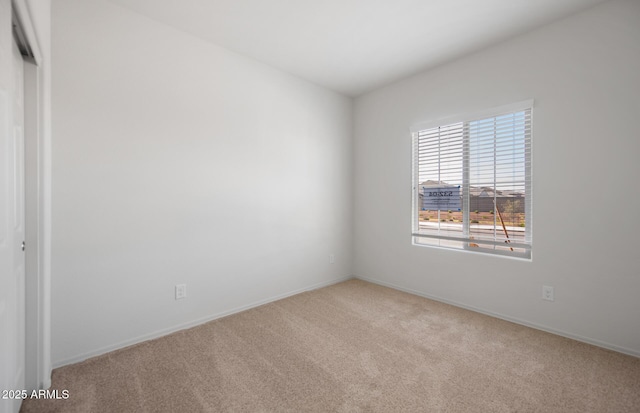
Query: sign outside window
[441, 198]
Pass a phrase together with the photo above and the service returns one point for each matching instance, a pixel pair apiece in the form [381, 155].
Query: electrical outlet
[181, 291]
[332, 259]
[547, 293]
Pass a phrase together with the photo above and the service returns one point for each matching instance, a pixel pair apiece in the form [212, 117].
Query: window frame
[526, 246]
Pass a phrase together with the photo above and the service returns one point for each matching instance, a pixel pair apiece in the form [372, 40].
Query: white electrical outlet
[332, 259]
[547, 293]
[181, 291]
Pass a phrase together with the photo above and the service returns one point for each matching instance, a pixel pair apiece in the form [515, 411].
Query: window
[472, 182]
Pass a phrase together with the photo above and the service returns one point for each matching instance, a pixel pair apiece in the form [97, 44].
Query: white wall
[175, 161]
[584, 74]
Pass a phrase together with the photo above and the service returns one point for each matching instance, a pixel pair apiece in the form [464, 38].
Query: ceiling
[355, 46]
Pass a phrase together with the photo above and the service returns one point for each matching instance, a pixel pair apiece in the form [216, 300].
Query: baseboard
[515, 320]
[183, 326]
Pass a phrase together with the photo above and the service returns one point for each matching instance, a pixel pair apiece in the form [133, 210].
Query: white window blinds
[472, 183]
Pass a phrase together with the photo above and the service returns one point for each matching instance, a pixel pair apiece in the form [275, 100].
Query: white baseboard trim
[515, 320]
[183, 326]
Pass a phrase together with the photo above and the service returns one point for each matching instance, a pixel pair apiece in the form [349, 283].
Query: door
[12, 295]
[19, 260]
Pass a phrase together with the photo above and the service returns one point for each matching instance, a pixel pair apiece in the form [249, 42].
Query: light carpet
[352, 347]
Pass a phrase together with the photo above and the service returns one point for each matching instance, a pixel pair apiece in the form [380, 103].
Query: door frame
[37, 139]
